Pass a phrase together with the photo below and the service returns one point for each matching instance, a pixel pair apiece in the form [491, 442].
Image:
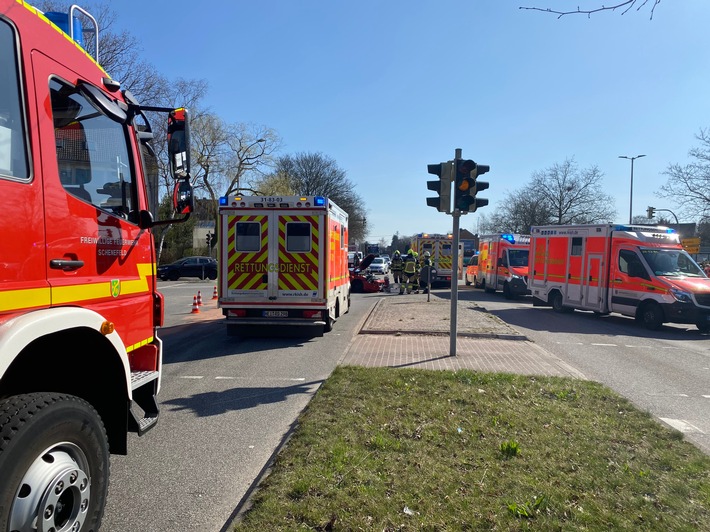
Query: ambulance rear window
[248, 236]
[298, 236]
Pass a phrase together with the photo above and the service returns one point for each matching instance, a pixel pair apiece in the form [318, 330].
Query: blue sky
[387, 87]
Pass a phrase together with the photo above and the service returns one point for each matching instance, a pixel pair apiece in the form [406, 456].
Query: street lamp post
[631, 193]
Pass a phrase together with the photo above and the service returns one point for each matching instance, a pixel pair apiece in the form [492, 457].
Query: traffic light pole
[456, 215]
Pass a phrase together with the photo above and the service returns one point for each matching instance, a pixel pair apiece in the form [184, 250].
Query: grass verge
[400, 449]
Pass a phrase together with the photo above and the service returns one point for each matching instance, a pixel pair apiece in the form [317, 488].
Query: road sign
[691, 245]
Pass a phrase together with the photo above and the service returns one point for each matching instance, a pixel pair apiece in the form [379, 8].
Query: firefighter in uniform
[396, 267]
[415, 284]
[409, 270]
[424, 271]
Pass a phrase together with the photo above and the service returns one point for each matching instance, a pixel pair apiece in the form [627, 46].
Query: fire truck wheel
[651, 316]
[556, 301]
[54, 463]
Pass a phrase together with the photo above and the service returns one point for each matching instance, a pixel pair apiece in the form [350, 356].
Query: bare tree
[688, 187]
[519, 211]
[315, 174]
[249, 155]
[624, 7]
[560, 195]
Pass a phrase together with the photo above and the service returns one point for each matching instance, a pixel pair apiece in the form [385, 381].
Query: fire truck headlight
[681, 296]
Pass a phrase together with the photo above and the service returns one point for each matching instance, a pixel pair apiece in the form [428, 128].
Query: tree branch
[623, 6]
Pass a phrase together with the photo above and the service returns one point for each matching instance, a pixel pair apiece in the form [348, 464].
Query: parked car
[200, 267]
[379, 265]
[388, 260]
[472, 271]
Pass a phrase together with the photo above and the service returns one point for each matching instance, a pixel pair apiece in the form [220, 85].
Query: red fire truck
[638, 271]
[80, 360]
[283, 262]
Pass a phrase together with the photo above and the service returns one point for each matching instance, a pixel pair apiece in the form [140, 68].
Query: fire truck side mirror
[183, 201]
[179, 144]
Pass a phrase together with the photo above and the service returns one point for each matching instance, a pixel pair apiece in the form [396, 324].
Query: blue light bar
[507, 236]
[319, 201]
[223, 200]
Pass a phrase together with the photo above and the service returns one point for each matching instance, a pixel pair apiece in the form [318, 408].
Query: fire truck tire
[54, 463]
[651, 316]
[556, 301]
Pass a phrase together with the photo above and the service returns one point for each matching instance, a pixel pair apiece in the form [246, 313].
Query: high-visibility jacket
[410, 265]
[397, 264]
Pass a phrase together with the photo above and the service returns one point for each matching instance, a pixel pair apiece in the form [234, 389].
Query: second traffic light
[442, 186]
[467, 186]
[209, 239]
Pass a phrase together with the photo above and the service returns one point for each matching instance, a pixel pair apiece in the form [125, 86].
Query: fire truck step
[144, 385]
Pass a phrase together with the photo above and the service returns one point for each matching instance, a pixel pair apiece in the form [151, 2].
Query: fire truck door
[298, 255]
[96, 254]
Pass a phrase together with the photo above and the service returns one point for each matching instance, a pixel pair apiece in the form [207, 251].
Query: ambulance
[503, 264]
[440, 248]
[634, 270]
[80, 356]
[283, 262]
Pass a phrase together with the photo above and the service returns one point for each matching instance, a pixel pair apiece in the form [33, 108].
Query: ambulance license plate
[275, 313]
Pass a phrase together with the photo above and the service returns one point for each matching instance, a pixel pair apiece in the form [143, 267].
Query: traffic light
[442, 186]
[651, 212]
[466, 185]
[209, 239]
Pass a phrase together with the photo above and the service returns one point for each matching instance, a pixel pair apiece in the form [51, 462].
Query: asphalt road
[227, 404]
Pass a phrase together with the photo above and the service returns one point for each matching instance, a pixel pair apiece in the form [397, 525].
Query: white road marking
[220, 377]
[606, 345]
[682, 425]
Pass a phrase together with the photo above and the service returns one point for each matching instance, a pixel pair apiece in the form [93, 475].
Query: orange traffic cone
[214, 293]
[199, 298]
[195, 306]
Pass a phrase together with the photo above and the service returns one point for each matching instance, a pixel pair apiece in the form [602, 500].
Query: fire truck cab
[80, 358]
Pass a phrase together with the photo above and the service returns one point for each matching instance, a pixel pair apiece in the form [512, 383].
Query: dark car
[201, 267]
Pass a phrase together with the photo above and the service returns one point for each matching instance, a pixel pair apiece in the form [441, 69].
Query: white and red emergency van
[283, 262]
[634, 270]
[80, 358]
[503, 263]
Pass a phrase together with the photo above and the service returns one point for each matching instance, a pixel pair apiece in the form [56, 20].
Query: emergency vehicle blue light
[223, 201]
[507, 236]
[319, 201]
